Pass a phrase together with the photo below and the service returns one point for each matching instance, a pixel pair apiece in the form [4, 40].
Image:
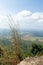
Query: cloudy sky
[27, 13]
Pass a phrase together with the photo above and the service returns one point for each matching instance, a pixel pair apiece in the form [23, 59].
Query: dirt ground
[32, 61]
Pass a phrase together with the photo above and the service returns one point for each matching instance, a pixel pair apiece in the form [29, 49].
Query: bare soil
[32, 61]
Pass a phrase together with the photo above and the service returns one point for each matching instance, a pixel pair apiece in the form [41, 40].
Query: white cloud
[30, 20]
[24, 13]
[25, 19]
[3, 22]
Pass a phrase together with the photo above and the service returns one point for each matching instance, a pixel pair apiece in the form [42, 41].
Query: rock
[32, 61]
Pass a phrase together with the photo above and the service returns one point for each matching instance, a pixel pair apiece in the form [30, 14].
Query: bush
[36, 49]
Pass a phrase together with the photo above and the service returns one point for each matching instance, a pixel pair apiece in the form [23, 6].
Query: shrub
[36, 49]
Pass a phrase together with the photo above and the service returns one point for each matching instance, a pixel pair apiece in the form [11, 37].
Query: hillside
[24, 45]
[32, 61]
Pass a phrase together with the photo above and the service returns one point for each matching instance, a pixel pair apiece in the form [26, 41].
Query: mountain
[4, 32]
[8, 32]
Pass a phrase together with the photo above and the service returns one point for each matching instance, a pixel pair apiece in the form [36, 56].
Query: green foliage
[36, 49]
[1, 52]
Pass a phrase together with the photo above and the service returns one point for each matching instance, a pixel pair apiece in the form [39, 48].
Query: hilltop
[32, 61]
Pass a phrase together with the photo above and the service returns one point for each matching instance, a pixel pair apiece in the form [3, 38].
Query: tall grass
[16, 39]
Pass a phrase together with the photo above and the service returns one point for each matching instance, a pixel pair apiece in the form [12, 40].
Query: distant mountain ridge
[4, 32]
[38, 33]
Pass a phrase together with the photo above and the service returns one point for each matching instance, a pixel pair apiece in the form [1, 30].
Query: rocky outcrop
[32, 61]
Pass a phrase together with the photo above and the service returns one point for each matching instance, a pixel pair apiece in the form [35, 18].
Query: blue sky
[7, 6]
[20, 9]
